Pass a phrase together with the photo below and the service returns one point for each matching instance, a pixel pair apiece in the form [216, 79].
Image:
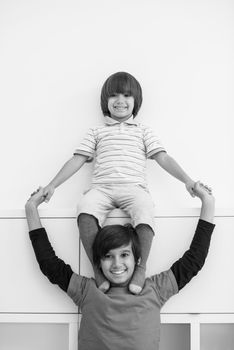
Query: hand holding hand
[48, 192]
[207, 199]
[190, 187]
[202, 191]
[36, 198]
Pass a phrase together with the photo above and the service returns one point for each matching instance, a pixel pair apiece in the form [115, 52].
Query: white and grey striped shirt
[120, 151]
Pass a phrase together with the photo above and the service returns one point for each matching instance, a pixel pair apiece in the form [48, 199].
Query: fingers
[191, 192]
[190, 189]
[202, 186]
[47, 197]
[36, 197]
[206, 188]
[38, 190]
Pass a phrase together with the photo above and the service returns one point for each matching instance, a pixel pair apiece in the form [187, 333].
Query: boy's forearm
[69, 169]
[32, 216]
[208, 208]
[172, 167]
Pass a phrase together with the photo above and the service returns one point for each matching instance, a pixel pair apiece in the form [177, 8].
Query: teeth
[118, 272]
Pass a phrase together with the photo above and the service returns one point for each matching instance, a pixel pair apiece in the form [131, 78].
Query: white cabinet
[198, 331]
[34, 336]
[26, 289]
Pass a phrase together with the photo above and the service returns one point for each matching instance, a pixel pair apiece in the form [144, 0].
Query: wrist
[32, 216]
[188, 181]
[52, 185]
[207, 199]
[30, 206]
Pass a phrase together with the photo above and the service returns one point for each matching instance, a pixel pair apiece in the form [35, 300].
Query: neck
[121, 285]
[121, 120]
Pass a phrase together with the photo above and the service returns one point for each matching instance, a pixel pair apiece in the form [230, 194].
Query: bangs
[112, 237]
[120, 84]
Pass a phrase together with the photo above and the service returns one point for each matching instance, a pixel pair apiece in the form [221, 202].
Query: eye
[107, 256]
[127, 94]
[125, 255]
[114, 94]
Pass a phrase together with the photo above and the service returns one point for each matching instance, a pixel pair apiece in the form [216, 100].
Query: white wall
[54, 58]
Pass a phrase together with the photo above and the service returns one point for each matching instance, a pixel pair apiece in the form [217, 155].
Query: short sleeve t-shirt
[119, 319]
[120, 151]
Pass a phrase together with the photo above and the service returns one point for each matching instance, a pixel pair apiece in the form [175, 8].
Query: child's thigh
[138, 203]
[96, 202]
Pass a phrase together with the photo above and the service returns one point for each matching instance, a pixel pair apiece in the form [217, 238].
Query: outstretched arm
[68, 169]
[31, 209]
[54, 268]
[173, 168]
[193, 259]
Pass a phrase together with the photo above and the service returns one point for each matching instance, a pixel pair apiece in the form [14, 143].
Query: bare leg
[145, 234]
[88, 227]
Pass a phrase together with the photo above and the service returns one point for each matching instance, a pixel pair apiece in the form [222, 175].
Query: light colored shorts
[133, 199]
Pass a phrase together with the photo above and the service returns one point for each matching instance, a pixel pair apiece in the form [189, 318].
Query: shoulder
[99, 129]
[164, 285]
[145, 128]
[93, 132]
[142, 126]
[165, 282]
[78, 287]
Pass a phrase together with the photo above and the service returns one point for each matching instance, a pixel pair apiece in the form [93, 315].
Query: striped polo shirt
[120, 150]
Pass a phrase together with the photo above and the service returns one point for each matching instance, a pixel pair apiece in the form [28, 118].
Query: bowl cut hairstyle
[121, 83]
[112, 237]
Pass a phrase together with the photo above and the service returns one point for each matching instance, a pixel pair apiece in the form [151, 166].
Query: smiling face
[120, 106]
[121, 85]
[118, 264]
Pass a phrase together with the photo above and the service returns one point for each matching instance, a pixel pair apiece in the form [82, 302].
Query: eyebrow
[122, 251]
[125, 250]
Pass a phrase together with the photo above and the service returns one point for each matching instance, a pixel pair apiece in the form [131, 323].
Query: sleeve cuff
[37, 231]
[84, 153]
[155, 151]
[206, 224]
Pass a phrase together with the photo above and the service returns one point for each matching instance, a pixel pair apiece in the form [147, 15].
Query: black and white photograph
[117, 168]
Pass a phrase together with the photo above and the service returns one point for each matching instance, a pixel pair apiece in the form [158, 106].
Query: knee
[86, 220]
[144, 228]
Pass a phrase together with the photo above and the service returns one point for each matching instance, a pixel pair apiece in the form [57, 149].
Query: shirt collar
[111, 121]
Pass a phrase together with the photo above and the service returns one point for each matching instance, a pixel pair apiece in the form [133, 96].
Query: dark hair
[112, 237]
[121, 83]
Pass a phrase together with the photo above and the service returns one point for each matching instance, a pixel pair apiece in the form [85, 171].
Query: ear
[138, 261]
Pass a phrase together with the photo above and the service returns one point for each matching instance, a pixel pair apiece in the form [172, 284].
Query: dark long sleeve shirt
[54, 268]
[184, 269]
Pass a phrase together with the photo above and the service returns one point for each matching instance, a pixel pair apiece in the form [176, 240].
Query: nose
[116, 262]
[120, 98]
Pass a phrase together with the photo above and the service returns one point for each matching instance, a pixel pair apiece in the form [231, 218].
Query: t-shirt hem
[155, 151]
[84, 153]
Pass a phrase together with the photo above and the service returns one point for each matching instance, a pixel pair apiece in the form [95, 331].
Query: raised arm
[194, 258]
[68, 169]
[173, 168]
[54, 268]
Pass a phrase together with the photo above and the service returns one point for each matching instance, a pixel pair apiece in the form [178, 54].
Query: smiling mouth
[118, 272]
[120, 108]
